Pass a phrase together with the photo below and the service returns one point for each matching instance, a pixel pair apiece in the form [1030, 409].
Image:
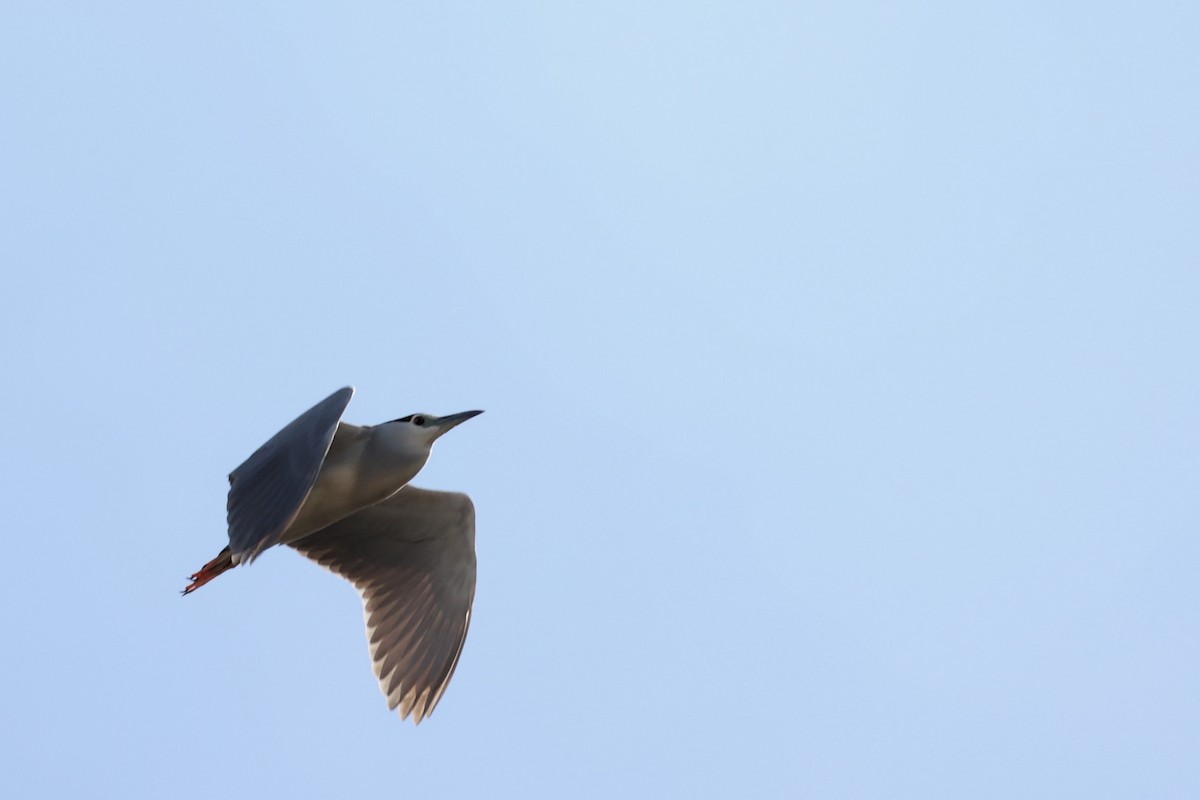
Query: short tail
[211, 570]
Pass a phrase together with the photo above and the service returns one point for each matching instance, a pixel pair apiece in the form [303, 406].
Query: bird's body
[365, 465]
[340, 494]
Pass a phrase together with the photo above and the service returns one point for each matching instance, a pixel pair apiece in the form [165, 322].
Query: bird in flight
[340, 495]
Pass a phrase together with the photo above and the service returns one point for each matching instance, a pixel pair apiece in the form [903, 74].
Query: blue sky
[839, 360]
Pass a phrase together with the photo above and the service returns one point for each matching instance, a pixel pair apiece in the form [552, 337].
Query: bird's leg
[211, 570]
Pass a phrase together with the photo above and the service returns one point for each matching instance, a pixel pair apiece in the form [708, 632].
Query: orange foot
[211, 570]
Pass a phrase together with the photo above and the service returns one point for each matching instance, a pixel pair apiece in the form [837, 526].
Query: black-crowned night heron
[339, 494]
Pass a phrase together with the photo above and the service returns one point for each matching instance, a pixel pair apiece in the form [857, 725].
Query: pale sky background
[840, 364]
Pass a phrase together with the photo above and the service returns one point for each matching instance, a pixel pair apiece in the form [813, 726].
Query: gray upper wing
[267, 490]
[412, 557]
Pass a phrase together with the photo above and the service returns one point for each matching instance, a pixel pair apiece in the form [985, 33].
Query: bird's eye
[418, 420]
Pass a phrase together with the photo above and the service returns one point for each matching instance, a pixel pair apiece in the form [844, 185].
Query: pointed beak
[452, 420]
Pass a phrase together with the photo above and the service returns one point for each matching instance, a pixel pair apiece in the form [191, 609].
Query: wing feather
[267, 490]
[412, 558]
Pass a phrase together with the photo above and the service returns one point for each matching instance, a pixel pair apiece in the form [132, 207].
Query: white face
[425, 428]
[418, 427]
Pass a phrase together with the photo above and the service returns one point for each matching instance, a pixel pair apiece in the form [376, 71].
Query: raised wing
[267, 490]
[412, 558]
